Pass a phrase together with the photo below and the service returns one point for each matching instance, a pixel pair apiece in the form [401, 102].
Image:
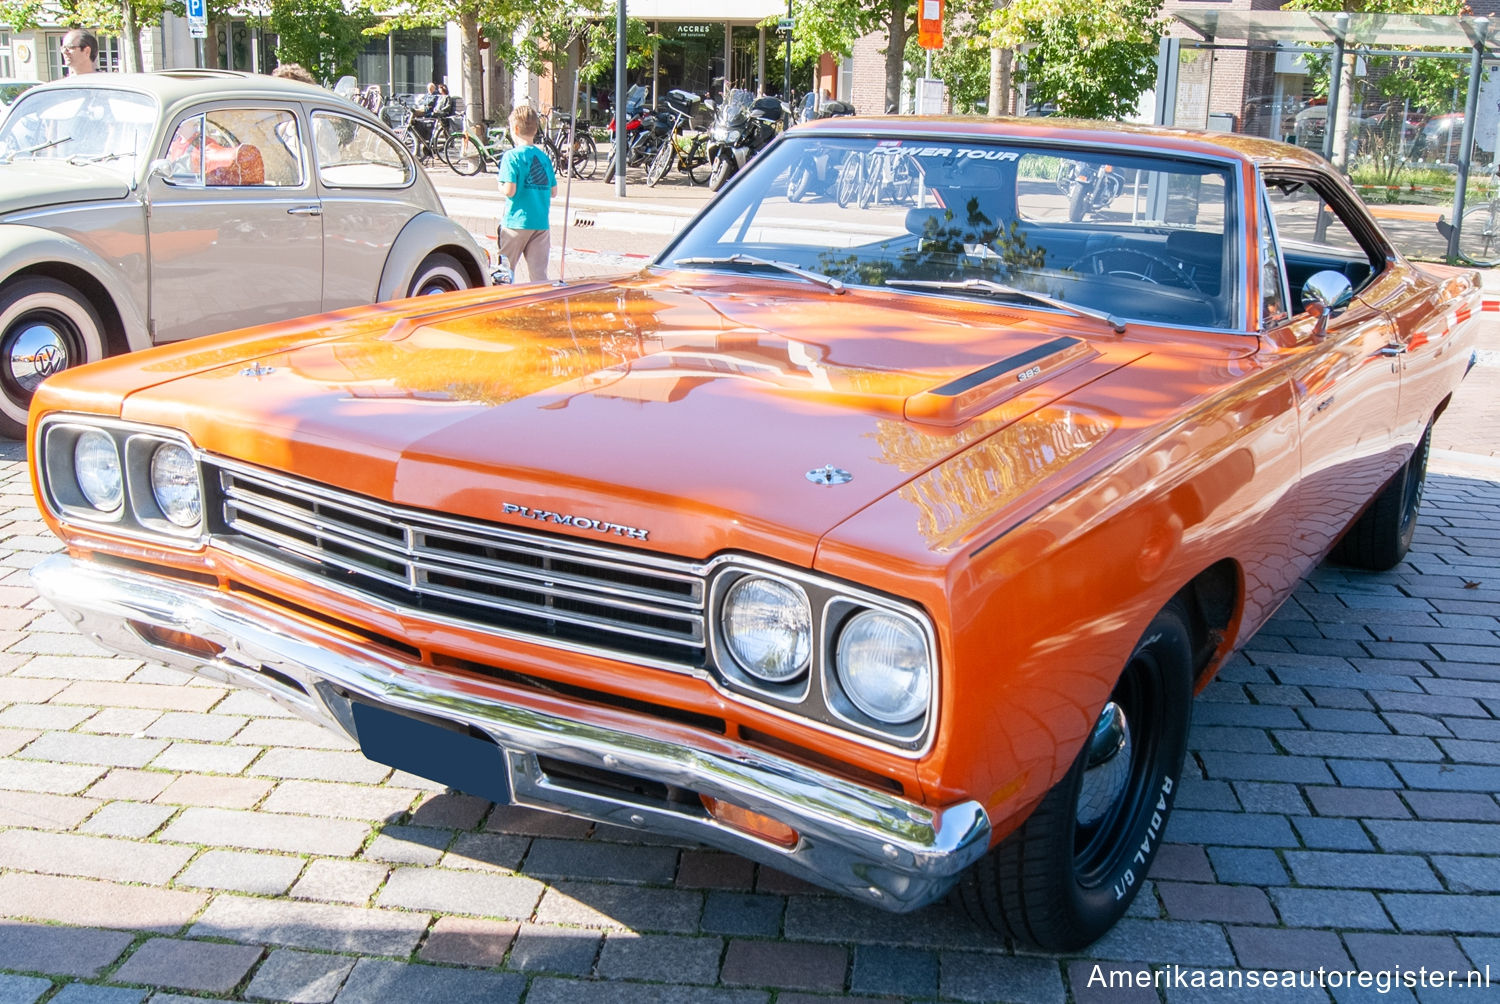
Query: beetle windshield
[82, 125]
[1120, 234]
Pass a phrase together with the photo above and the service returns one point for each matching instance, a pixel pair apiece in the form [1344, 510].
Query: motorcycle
[635, 106]
[743, 125]
[1089, 187]
[815, 173]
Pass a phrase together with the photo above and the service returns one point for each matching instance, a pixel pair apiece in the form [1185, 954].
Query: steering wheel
[1137, 264]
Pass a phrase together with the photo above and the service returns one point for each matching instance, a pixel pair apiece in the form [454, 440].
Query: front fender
[37, 250]
[422, 235]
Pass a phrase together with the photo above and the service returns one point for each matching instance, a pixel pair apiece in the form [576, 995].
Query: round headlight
[174, 482]
[96, 466]
[884, 667]
[768, 628]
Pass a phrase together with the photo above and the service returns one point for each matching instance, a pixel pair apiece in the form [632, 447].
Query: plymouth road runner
[882, 537]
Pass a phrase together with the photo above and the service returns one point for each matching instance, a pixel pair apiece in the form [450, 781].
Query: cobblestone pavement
[168, 840]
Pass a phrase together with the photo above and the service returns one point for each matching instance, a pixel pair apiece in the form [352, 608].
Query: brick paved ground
[166, 840]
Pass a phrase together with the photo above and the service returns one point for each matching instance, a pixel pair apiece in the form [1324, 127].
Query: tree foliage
[325, 36]
[1090, 58]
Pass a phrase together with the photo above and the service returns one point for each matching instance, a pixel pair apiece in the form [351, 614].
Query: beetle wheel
[1073, 867]
[438, 273]
[45, 328]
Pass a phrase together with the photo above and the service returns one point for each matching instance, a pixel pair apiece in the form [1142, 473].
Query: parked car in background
[11, 89]
[138, 209]
[883, 542]
[1271, 117]
[1440, 142]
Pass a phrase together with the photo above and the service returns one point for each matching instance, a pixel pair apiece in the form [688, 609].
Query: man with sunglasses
[80, 51]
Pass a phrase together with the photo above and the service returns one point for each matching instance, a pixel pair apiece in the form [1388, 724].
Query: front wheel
[720, 172]
[1078, 206]
[45, 327]
[1382, 535]
[1479, 237]
[660, 164]
[438, 273]
[796, 186]
[1064, 878]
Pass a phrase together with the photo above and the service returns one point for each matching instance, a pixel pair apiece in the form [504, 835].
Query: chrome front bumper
[857, 840]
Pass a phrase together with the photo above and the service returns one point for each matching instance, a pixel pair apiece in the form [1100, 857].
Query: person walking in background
[528, 181]
[293, 71]
[80, 50]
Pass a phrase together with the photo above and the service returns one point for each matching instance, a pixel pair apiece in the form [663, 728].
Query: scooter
[743, 126]
[815, 173]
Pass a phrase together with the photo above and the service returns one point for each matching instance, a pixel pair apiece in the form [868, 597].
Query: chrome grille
[490, 576]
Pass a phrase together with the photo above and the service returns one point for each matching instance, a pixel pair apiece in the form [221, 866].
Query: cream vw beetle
[137, 209]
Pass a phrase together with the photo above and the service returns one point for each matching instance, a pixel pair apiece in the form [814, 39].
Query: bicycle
[467, 153]
[882, 173]
[583, 160]
[686, 148]
[1479, 229]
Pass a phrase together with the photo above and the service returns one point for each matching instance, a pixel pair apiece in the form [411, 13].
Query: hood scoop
[991, 385]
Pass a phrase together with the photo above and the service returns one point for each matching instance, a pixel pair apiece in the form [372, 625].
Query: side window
[1315, 236]
[352, 154]
[236, 148]
[1273, 298]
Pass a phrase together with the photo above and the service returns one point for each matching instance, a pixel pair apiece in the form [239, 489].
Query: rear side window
[353, 154]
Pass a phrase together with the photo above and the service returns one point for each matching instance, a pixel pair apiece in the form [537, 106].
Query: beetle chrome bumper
[860, 841]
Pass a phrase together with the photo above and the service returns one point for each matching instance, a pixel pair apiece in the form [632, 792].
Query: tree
[502, 21]
[1090, 58]
[1428, 84]
[835, 25]
[324, 36]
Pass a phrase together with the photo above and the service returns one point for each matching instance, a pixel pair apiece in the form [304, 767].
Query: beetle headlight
[767, 628]
[884, 666]
[174, 483]
[96, 468]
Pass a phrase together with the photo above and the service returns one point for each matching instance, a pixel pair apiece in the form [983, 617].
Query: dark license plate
[440, 751]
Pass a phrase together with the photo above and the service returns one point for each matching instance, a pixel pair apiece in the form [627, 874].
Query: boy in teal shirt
[528, 181]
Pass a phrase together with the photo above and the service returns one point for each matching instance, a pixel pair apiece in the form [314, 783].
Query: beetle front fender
[422, 235]
[27, 250]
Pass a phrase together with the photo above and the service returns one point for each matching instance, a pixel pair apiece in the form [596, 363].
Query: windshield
[79, 125]
[1132, 237]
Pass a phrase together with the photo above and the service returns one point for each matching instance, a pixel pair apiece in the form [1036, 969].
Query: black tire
[1479, 238]
[463, 155]
[696, 163]
[1078, 203]
[851, 179]
[660, 165]
[410, 141]
[1382, 535]
[1064, 878]
[438, 273]
[46, 326]
[719, 173]
[797, 184]
[609, 166]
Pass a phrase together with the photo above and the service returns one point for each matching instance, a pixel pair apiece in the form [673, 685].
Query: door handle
[1390, 351]
[305, 211]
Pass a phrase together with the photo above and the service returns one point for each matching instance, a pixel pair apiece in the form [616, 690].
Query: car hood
[755, 418]
[34, 184]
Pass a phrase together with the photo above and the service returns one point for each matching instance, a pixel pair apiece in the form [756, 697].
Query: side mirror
[161, 167]
[1325, 294]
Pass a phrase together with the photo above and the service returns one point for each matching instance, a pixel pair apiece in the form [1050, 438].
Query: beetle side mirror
[1325, 294]
[160, 167]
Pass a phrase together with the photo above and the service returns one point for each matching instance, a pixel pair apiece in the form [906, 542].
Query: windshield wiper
[1001, 289]
[36, 149]
[785, 266]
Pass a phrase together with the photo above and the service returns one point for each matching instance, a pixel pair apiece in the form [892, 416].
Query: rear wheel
[463, 154]
[46, 326]
[696, 163]
[796, 186]
[1380, 538]
[585, 156]
[1072, 869]
[851, 179]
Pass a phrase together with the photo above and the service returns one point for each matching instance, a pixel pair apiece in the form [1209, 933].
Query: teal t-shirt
[531, 170]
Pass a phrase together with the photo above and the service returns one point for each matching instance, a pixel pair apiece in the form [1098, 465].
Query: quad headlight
[767, 627]
[97, 470]
[884, 666]
[174, 484]
[134, 480]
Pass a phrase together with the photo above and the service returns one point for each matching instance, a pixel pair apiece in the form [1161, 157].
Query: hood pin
[829, 475]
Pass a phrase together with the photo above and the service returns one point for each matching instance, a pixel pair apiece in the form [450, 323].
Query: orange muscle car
[882, 536]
